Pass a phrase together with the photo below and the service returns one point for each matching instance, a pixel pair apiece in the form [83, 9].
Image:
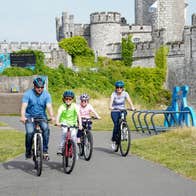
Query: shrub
[76, 46]
[127, 50]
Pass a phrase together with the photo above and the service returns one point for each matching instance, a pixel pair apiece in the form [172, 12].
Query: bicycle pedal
[59, 153]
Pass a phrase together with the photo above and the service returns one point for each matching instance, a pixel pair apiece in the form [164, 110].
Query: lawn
[175, 149]
[11, 144]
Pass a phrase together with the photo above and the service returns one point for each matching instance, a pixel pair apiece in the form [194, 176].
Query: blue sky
[23, 20]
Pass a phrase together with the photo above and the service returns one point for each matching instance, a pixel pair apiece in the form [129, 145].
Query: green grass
[11, 144]
[175, 150]
[2, 124]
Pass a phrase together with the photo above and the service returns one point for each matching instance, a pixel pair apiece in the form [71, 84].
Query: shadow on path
[28, 167]
[105, 150]
[24, 166]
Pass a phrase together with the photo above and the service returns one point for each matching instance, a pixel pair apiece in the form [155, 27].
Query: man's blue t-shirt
[36, 103]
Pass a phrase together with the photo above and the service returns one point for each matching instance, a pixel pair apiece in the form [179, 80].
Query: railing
[146, 120]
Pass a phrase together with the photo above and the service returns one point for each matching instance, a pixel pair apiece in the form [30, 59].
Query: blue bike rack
[186, 115]
[176, 115]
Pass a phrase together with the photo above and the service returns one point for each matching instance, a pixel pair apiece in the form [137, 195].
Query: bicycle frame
[68, 151]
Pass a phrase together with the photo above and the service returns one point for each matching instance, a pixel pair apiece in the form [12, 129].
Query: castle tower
[142, 14]
[171, 17]
[64, 26]
[105, 32]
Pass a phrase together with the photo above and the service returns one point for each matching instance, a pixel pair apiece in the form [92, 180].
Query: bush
[76, 46]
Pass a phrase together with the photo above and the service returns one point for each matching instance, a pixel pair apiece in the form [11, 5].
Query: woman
[117, 103]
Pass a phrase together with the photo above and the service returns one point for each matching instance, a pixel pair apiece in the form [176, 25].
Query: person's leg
[46, 134]
[74, 137]
[115, 118]
[28, 138]
[63, 136]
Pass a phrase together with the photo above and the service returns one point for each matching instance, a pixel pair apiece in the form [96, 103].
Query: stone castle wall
[53, 54]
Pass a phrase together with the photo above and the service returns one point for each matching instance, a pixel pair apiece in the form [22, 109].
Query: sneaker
[46, 156]
[113, 145]
[27, 155]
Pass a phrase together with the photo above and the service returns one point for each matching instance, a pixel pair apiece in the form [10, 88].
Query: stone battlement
[8, 47]
[105, 17]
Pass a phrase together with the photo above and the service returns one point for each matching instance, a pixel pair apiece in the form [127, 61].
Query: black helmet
[68, 93]
[39, 82]
[119, 83]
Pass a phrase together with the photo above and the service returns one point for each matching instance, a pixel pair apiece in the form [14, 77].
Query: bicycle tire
[88, 145]
[81, 146]
[125, 138]
[70, 159]
[39, 155]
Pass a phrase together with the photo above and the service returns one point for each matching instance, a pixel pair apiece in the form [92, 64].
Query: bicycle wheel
[39, 155]
[69, 158]
[81, 146]
[125, 138]
[88, 145]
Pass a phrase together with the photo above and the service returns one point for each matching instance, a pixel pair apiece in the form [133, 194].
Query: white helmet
[84, 97]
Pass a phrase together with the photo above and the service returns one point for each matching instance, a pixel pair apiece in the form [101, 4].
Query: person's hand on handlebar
[23, 119]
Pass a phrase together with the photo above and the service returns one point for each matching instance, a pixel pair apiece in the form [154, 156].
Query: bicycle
[37, 144]
[86, 140]
[68, 151]
[124, 134]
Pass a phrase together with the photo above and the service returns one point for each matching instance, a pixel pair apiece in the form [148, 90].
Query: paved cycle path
[106, 174]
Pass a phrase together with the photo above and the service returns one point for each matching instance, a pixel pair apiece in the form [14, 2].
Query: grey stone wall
[11, 92]
[21, 83]
[142, 14]
[53, 54]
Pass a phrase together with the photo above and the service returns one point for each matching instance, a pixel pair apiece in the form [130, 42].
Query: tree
[127, 50]
[76, 46]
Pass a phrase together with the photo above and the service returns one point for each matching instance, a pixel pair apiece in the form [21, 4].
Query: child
[68, 114]
[85, 110]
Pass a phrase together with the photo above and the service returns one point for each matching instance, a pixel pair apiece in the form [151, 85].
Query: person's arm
[23, 110]
[58, 116]
[50, 111]
[111, 102]
[49, 107]
[94, 112]
[79, 118]
[130, 102]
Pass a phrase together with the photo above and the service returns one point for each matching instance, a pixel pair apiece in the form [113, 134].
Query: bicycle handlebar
[36, 120]
[121, 110]
[66, 126]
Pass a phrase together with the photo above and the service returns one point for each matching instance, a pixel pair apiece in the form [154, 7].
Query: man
[34, 104]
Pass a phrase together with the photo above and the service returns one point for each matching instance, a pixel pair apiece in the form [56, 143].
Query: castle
[157, 22]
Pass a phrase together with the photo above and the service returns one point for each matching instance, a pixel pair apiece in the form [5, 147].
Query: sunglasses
[119, 87]
[68, 99]
[83, 101]
[39, 87]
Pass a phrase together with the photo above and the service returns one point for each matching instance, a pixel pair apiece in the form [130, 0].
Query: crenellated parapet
[105, 17]
[9, 47]
[144, 49]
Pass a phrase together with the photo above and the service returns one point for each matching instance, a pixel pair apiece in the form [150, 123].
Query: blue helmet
[68, 93]
[119, 83]
[39, 82]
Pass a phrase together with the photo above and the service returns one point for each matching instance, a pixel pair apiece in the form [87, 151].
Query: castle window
[71, 34]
